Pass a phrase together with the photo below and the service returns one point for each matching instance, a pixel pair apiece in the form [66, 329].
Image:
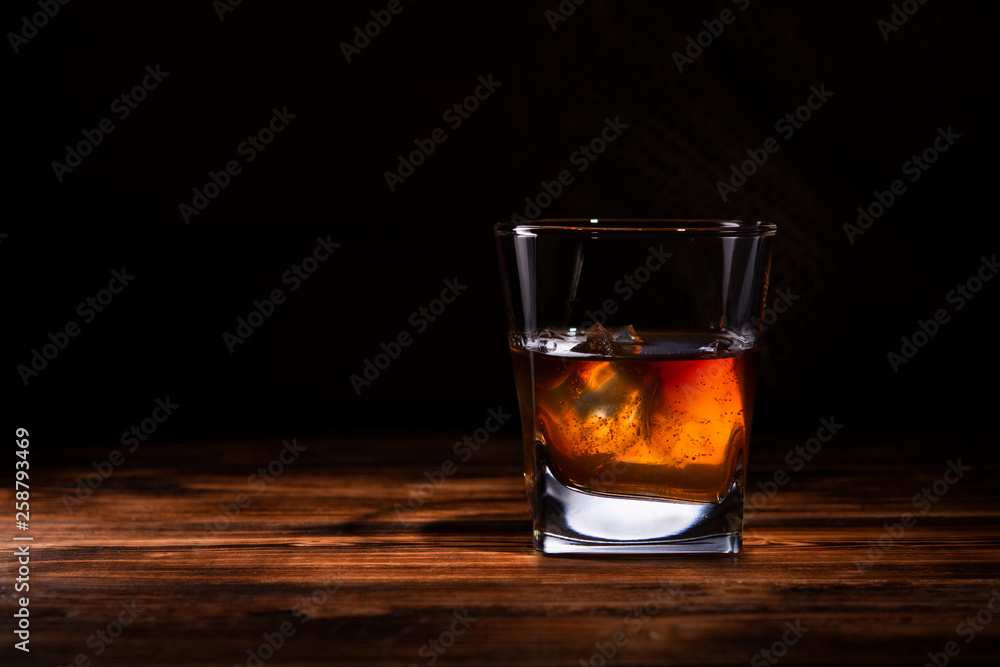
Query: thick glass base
[568, 520]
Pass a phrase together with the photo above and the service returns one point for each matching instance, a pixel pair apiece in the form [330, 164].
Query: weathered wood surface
[320, 552]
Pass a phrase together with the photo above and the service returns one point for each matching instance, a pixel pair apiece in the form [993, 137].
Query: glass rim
[719, 227]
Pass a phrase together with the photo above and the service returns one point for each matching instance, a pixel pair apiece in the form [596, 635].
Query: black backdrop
[221, 80]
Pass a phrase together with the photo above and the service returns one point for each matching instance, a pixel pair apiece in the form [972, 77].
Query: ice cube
[727, 342]
[599, 341]
[539, 340]
[606, 392]
[626, 335]
[715, 346]
[546, 334]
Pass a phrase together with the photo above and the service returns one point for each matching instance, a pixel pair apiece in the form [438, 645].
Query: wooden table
[318, 568]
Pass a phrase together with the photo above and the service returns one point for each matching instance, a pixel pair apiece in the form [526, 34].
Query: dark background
[323, 176]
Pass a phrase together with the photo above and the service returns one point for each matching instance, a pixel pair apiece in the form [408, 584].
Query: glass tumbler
[635, 346]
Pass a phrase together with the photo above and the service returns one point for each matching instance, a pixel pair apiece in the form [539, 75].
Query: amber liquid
[667, 426]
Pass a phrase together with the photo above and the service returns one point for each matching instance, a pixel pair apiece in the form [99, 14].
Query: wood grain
[321, 550]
